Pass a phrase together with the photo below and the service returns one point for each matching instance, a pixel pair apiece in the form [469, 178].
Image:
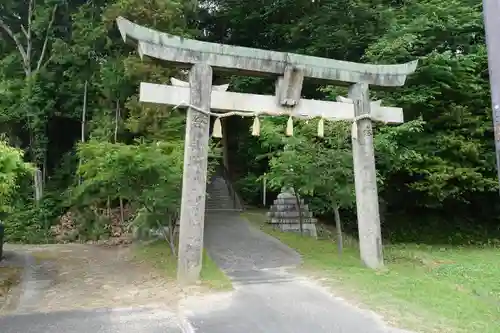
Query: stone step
[291, 220]
[307, 228]
[218, 196]
[219, 204]
[293, 207]
[287, 201]
[215, 205]
[218, 200]
[218, 193]
[291, 214]
[217, 187]
[262, 280]
[218, 210]
[259, 277]
[211, 207]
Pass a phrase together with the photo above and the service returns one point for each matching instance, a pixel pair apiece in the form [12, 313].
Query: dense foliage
[69, 99]
[12, 169]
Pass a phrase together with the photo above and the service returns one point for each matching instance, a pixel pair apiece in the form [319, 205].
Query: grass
[41, 256]
[9, 277]
[159, 255]
[422, 288]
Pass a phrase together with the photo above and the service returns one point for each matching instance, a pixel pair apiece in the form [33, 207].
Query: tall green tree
[455, 159]
[29, 26]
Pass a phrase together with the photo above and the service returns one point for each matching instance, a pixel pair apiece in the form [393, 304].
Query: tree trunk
[122, 212]
[38, 185]
[299, 209]
[84, 117]
[84, 111]
[338, 226]
[117, 119]
[171, 231]
[44, 170]
[108, 208]
[170, 236]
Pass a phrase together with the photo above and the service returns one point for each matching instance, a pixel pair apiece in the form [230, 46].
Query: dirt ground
[90, 276]
[9, 277]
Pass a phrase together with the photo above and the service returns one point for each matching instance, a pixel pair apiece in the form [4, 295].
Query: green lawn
[423, 288]
[159, 255]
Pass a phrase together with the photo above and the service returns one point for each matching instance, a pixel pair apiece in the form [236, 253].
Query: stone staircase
[219, 196]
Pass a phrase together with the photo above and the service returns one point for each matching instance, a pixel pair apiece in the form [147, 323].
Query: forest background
[69, 108]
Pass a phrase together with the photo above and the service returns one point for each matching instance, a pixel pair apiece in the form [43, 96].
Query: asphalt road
[95, 321]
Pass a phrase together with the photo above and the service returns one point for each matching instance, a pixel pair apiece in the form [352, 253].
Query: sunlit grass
[424, 288]
[159, 255]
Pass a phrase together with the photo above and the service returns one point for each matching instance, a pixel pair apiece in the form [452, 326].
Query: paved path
[243, 251]
[267, 298]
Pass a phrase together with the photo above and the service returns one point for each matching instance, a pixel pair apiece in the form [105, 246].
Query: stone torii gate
[290, 69]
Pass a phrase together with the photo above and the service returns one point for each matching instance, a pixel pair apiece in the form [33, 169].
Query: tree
[29, 18]
[74, 50]
[314, 166]
[449, 92]
[146, 175]
[29, 25]
[12, 169]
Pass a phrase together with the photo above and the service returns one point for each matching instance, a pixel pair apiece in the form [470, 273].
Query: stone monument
[285, 214]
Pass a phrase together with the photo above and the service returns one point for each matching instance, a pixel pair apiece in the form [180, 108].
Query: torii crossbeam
[222, 101]
[253, 61]
[290, 70]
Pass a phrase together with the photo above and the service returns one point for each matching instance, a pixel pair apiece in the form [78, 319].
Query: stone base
[291, 220]
[285, 214]
[309, 229]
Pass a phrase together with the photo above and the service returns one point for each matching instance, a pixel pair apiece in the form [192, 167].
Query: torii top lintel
[252, 61]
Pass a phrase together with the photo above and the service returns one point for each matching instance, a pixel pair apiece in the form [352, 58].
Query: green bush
[147, 176]
[12, 168]
[31, 222]
[250, 189]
